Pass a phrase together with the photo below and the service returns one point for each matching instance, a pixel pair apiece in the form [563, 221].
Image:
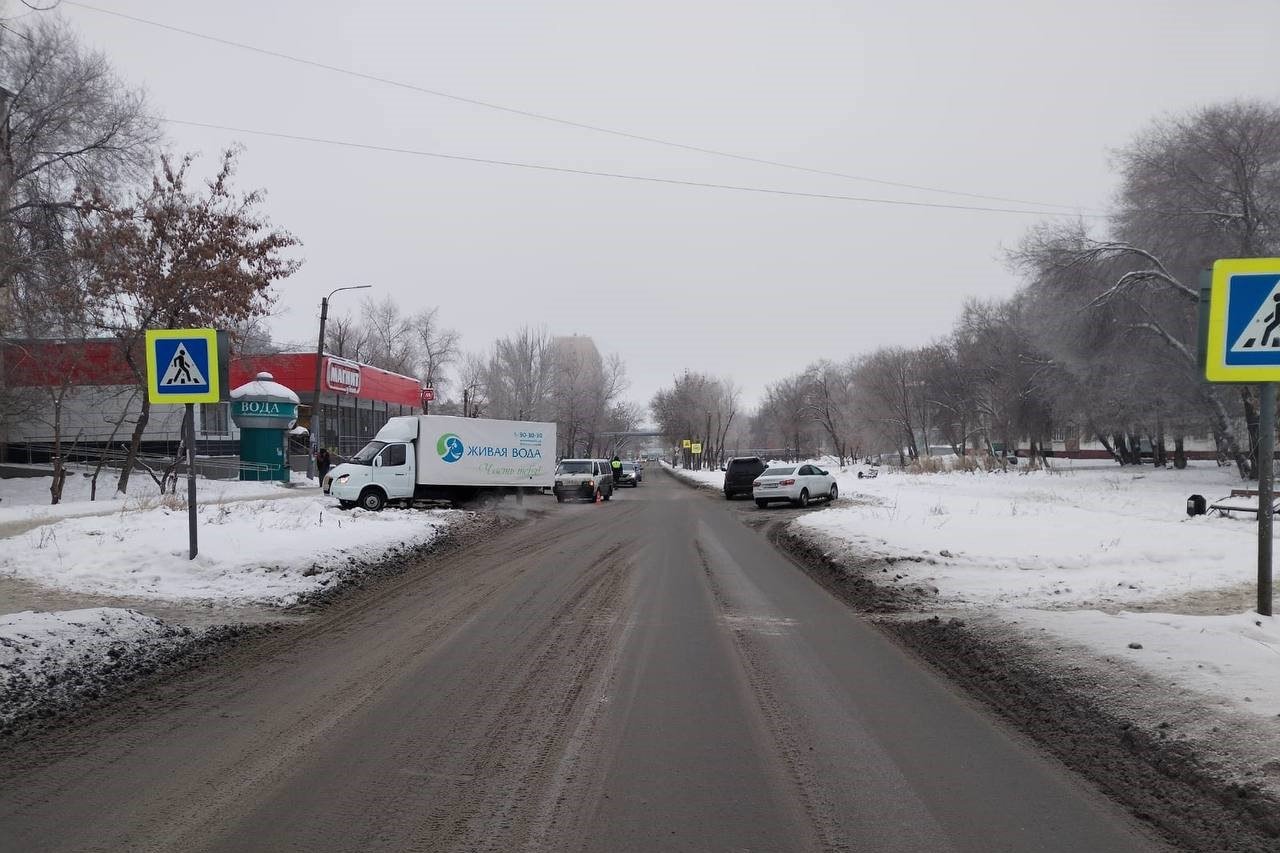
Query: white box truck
[444, 458]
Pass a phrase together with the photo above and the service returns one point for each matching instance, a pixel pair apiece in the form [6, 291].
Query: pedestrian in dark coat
[323, 462]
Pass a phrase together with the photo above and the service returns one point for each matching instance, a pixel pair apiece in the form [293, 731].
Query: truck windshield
[581, 466]
[366, 454]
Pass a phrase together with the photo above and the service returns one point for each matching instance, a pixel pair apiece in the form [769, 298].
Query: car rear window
[745, 463]
[628, 466]
[778, 472]
[575, 467]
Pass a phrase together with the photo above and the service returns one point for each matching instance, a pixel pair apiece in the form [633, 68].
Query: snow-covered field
[26, 499]
[1072, 553]
[264, 551]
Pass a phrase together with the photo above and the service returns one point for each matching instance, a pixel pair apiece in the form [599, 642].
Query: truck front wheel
[372, 500]
[346, 504]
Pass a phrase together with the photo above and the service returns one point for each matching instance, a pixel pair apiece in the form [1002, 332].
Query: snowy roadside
[1096, 566]
[266, 552]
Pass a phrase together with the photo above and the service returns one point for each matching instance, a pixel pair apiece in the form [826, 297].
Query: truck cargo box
[453, 451]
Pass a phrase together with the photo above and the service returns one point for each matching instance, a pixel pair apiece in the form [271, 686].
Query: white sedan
[798, 484]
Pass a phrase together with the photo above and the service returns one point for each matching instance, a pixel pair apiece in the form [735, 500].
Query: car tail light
[755, 483]
[787, 483]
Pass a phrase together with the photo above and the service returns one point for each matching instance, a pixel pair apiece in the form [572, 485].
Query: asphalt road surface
[647, 674]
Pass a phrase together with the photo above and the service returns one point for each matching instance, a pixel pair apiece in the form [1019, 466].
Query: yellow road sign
[1244, 321]
[695, 449]
[686, 444]
[182, 366]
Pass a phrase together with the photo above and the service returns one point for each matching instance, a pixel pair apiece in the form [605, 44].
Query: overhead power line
[542, 167]
[337, 69]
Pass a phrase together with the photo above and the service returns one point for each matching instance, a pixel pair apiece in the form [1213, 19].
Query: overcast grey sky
[1016, 99]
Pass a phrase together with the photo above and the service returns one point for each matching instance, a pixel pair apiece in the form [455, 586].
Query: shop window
[215, 418]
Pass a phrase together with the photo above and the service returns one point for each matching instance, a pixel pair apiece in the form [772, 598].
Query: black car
[739, 473]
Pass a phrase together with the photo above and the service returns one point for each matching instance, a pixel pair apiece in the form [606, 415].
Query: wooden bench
[1241, 500]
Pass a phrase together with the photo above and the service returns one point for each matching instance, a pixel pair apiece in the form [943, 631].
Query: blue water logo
[450, 447]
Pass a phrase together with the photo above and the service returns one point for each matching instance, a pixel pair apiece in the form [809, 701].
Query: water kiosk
[265, 411]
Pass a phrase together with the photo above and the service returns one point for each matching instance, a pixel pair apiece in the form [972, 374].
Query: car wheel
[762, 504]
[372, 500]
[346, 504]
[728, 496]
[834, 493]
[559, 499]
[803, 500]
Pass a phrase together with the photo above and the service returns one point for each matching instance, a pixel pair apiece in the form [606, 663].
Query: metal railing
[114, 458]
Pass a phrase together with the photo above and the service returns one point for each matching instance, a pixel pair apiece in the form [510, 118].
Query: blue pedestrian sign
[1244, 321]
[183, 366]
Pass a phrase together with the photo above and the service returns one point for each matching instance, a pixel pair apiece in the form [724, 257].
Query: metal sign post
[186, 366]
[1242, 345]
[190, 439]
[1266, 492]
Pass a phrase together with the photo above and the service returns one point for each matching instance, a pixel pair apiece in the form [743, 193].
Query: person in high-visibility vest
[616, 465]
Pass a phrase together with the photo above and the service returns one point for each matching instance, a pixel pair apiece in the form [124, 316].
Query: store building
[355, 399]
[86, 390]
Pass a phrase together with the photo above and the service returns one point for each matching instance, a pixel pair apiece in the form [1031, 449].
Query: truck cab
[382, 471]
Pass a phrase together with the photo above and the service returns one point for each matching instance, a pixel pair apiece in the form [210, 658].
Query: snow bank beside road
[1233, 659]
[270, 552]
[250, 551]
[55, 661]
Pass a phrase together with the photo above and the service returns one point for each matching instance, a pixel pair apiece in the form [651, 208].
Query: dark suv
[739, 473]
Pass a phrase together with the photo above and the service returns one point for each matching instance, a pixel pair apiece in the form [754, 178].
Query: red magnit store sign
[342, 375]
[297, 371]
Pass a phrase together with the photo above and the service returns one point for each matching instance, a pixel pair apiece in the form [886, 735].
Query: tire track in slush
[520, 758]
[455, 603]
[820, 811]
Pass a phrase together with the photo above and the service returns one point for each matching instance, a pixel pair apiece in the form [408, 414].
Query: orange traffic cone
[599, 497]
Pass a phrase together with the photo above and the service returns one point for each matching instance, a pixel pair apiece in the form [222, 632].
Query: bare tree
[178, 258]
[520, 376]
[69, 125]
[72, 124]
[390, 342]
[344, 338]
[437, 348]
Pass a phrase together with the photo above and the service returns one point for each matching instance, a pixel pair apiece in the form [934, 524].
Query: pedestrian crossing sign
[183, 366]
[1243, 344]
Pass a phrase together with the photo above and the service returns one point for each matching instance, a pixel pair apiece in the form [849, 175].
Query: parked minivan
[739, 473]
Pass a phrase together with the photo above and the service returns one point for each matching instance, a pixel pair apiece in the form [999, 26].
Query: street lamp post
[315, 399]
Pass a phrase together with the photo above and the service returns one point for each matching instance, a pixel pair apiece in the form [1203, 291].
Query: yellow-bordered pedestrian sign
[1243, 343]
[686, 443]
[183, 366]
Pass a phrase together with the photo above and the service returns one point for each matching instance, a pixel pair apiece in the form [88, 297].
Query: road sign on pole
[183, 366]
[1244, 321]
[1243, 345]
[695, 448]
[187, 366]
[686, 443]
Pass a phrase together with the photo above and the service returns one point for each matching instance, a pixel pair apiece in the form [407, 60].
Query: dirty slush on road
[1168, 783]
[31, 704]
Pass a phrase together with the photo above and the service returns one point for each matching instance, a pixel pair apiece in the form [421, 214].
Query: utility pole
[315, 398]
[706, 447]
